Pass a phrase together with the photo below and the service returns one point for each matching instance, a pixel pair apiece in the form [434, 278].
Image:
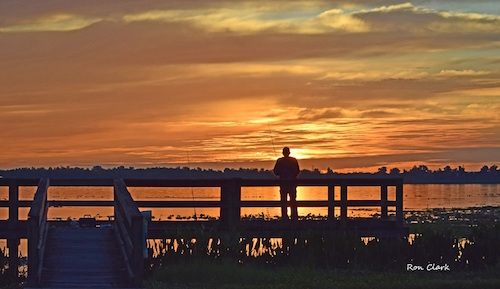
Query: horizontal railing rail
[337, 181]
[199, 203]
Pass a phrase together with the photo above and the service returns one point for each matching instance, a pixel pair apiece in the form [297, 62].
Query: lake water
[416, 197]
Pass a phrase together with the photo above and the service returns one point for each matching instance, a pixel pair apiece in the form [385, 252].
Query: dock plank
[83, 258]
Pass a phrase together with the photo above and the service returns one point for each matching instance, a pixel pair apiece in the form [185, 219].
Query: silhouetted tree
[382, 171]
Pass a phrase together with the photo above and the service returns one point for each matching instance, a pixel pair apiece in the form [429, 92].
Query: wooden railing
[13, 229]
[129, 220]
[230, 203]
[37, 233]
[129, 231]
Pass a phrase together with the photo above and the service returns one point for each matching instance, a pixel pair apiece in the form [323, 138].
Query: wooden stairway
[83, 258]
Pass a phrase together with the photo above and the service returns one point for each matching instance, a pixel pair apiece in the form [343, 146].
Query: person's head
[286, 151]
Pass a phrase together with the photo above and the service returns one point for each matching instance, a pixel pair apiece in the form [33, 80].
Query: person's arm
[276, 169]
[297, 169]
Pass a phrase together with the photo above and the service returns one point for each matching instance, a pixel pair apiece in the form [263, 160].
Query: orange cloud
[141, 85]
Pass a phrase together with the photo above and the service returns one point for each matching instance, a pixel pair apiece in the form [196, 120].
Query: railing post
[13, 241]
[230, 210]
[33, 257]
[13, 204]
[137, 258]
[331, 203]
[343, 203]
[284, 202]
[383, 201]
[400, 218]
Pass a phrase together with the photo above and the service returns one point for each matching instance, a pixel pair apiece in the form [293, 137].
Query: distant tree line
[418, 174]
[422, 174]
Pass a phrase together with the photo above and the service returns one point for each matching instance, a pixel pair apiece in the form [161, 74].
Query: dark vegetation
[478, 249]
[418, 174]
[7, 279]
[466, 240]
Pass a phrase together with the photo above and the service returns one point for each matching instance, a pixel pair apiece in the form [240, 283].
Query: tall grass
[7, 278]
[479, 249]
[206, 259]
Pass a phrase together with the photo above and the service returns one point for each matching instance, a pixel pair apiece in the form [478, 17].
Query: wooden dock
[112, 255]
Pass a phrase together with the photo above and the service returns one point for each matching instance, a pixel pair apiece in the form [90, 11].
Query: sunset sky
[351, 85]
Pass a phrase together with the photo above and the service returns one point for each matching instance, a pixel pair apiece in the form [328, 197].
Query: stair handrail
[37, 232]
[129, 230]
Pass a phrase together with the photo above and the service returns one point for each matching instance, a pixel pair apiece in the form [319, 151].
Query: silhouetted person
[287, 168]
